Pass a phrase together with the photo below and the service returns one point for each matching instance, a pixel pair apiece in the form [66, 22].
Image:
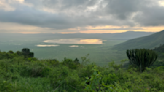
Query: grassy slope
[150, 42]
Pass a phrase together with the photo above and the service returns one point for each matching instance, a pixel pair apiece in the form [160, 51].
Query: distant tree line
[160, 48]
[10, 54]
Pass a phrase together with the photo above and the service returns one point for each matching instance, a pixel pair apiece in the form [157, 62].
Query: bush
[35, 70]
[97, 83]
[158, 69]
[6, 86]
[70, 63]
[52, 62]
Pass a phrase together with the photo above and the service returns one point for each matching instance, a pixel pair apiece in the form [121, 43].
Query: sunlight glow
[161, 3]
[74, 46]
[103, 31]
[75, 41]
[20, 1]
[91, 41]
[46, 45]
[30, 29]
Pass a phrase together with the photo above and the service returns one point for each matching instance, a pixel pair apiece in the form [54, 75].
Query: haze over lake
[58, 46]
[75, 41]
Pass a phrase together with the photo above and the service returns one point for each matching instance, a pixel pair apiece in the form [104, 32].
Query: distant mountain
[130, 35]
[43, 36]
[149, 42]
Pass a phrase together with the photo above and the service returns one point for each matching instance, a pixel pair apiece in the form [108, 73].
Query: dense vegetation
[28, 74]
[160, 51]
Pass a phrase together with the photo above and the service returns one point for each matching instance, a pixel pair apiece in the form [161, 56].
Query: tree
[76, 61]
[19, 53]
[141, 58]
[26, 52]
[11, 52]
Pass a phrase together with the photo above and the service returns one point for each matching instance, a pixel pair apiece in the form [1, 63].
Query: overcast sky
[81, 16]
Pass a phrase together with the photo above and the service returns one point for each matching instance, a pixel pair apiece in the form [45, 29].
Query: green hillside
[160, 52]
[149, 42]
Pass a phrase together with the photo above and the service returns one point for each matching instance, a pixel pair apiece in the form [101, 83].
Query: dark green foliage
[35, 70]
[26, 52]
[87, 71]
[159, 68]
[51, 62]
[11, 52]
[7, 55]
[31, 54]
[76, 61]
[160, 48]
[160, 51]
[19, 53]
[141, 58]
[70, 63]
[6, 86]
[32, 59]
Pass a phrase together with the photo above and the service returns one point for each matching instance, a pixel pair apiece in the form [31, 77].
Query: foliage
[36, 69]
[141, 57]
[19, 74]
[70, 63]
[159, 48]
[85, 60]
[97, 83]
[51, 62]
[6, 86]
[10, 54]
[26, 52]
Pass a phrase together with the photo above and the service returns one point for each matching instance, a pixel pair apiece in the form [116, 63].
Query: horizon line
[73, 32]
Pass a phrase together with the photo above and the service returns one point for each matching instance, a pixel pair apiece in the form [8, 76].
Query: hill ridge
[148, 42]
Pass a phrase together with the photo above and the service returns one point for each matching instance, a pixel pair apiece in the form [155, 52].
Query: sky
[81, 16]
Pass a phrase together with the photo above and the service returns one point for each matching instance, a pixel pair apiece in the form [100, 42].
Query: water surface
[75, 41]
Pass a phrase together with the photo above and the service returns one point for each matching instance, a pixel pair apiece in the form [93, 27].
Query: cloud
[118, 29]
[152, 16]
[64, 15]
[5, 6]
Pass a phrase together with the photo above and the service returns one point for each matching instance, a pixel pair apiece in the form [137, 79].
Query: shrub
[52, 62]
[35, 70]
[97, 83]
[6, 86]
[70, 63]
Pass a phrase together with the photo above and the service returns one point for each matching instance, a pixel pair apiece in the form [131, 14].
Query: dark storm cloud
[29, 16]
[67, 4]
[148, 12]
[82, 13]
[152, 16]
[123, 9]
